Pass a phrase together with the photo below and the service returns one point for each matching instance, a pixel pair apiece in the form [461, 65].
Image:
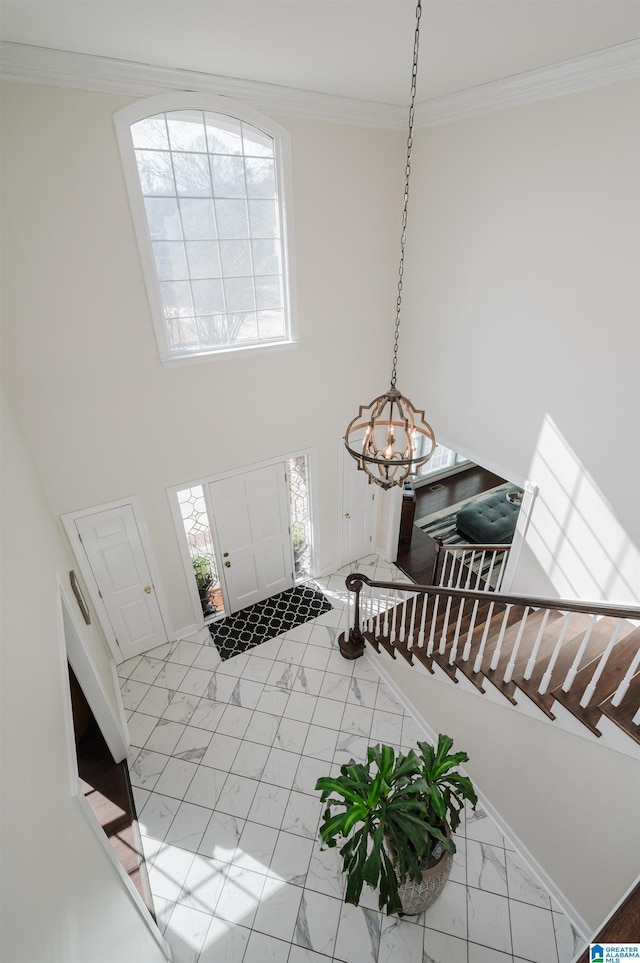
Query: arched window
[207, 185]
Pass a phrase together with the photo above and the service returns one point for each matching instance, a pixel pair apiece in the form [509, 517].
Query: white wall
[570, 802]
[522, 304]
[49, 852]
[103, 418]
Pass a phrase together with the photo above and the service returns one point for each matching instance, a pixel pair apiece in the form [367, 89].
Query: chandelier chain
[403, 236]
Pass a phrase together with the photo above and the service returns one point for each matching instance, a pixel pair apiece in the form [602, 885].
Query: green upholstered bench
[489, 521]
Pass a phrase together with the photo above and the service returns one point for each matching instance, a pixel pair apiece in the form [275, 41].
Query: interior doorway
[416, 558]
[358, 511]
[116, 560]
[106, 786]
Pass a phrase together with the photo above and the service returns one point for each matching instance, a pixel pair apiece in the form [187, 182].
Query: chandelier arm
[403, 235]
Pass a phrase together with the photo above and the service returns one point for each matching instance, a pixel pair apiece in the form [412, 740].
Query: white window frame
[456, 463]
[165, 103]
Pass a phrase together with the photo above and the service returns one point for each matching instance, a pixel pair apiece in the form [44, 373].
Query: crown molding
[621, 62]
[23, 63]
[60, 68]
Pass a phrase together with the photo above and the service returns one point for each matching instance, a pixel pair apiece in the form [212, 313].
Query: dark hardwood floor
[107, 788]
[416, 558]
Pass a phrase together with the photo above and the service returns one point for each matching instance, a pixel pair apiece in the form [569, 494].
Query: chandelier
[389, 438]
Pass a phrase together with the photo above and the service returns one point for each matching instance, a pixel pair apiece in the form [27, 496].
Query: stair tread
[623, 714]
[495, 625]
[596, 645]
[553, 628]
[528, 636]
[465, 624]
[614, 671]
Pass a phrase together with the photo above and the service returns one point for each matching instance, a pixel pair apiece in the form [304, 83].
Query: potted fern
[394, 817]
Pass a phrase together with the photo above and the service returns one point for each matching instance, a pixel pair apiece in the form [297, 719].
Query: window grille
[211, 187]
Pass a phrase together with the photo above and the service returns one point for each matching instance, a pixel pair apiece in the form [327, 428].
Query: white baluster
[508, 672]
[414, 602]
[394, 616]
[454, 647]
[466, 652]
[477, 665]
[445, 561]
[379, 616]
[591, 688]
[573, 671]
[385, 621]
[503, 629]
[479, 572]
[461, 563]
[469, 565]
[403, 619]
[636, 718]
[423, 618]
[621, 691]
[452, 569]
[432, 633]
[528, 672]
[347, 615]
[502, 563]
[546, 678]
[490, 572]
[445, 626]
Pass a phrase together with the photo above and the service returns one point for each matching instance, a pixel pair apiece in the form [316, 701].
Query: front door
[251, 513]
[116, 555]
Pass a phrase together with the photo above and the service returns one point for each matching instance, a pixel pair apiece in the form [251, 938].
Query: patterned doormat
[268, 619]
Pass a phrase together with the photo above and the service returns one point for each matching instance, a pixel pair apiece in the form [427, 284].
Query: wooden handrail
[470, 547]
[533, 601]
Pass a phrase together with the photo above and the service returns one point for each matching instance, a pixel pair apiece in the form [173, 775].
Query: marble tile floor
[224, 762]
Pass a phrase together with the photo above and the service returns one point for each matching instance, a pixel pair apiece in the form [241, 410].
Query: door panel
[358, 511]
[251, 513]
[112, 542]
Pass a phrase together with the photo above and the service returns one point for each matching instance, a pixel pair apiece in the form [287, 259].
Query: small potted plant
[204, 581]
[395, 816]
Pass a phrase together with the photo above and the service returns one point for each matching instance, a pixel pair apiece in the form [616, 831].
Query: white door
[358, 511]
[115, 552]
[251, 513]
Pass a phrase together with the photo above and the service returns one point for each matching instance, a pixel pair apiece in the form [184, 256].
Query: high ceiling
[343, 47]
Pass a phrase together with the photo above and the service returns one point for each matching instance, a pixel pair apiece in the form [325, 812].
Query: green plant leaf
[356, 880]
[328, 784]
[389, 895]
[407, 766]
[372, 865]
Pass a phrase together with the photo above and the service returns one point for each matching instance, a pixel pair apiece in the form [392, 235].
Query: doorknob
[347, 515]
[147, 589]
[227, 564]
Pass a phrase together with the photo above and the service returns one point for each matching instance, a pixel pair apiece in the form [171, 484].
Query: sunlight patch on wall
[574, 534]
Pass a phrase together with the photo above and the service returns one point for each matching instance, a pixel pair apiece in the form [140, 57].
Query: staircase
[571, 662]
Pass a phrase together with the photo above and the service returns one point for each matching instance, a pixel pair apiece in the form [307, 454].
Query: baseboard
[570, 912]
[122, 719]
[188, 631]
